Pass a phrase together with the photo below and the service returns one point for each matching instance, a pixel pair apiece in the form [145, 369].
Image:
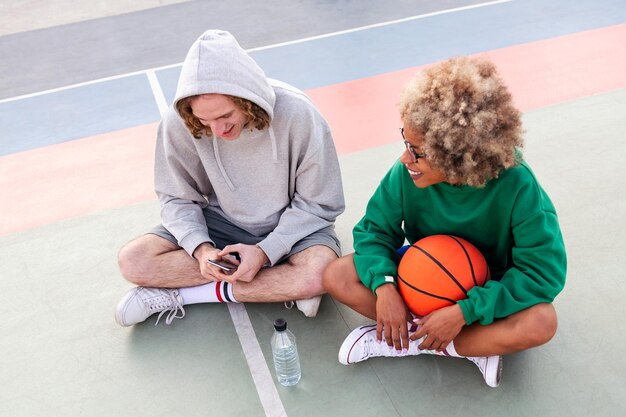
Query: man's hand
[209, 272]
[252, 260]
[440, 327]
[391, 316]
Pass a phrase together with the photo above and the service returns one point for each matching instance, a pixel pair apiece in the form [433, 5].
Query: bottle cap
[280, 325]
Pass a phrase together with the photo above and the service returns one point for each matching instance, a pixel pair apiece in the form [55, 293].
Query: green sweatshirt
[511, 221]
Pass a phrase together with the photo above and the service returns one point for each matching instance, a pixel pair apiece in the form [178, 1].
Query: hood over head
[216, 64]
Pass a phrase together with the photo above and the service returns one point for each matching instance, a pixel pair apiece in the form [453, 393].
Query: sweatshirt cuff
[274, 249]
[468, 311]
[190, 242]
[380, 280]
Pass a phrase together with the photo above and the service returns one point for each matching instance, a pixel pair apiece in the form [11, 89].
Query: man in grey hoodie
[247, 176]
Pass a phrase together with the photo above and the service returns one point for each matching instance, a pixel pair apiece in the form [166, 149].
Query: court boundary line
[377, 25]
[260, 48]
[261, 376]
[157, 91]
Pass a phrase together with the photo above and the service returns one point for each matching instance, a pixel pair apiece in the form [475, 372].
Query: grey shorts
[225, 233]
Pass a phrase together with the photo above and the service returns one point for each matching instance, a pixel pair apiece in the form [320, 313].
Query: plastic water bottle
[285, 353]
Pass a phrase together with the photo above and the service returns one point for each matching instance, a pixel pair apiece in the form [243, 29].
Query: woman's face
[415, 162]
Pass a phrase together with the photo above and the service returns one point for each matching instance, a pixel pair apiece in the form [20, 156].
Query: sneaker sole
[496, 383]
[499, 376]
[353, 338]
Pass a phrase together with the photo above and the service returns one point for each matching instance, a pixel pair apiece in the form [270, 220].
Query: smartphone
[224, 266]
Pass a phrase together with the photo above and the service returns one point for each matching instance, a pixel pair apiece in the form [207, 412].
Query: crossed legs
[528, 328]
[151, 261]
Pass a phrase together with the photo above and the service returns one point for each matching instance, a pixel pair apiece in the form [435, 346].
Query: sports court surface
[82, 86]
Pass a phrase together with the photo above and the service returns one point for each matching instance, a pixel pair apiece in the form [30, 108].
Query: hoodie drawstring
[274, 145]
[220, 165]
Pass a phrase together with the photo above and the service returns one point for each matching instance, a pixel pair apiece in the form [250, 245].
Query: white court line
[159, 97]
[261, 375]
[261, 48]
[377, 25]
[99, 80]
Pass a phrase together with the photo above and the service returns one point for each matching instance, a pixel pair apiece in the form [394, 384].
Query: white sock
[448, 351]
[213, 292]
[451, 351]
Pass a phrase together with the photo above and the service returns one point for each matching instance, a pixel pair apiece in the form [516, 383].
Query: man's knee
[309, 265]
[130, 260]
[313, 260]
[136, 258]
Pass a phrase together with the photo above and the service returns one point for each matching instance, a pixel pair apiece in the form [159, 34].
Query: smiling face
[220, 114]
[422, 174]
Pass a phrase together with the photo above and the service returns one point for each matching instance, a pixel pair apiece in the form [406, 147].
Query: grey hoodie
[283, 182]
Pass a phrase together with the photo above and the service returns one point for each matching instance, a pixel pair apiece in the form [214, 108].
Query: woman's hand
[391, 317]
[440, 327]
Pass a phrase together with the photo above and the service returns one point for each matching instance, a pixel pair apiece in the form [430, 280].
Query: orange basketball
[439, 270]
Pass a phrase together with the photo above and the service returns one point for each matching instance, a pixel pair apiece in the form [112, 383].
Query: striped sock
[213, 292]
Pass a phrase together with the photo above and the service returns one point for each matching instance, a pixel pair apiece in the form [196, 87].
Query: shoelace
[167, 304]
[373, 348]
[480, 361]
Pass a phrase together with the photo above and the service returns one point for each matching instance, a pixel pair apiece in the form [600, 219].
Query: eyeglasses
[410, 148]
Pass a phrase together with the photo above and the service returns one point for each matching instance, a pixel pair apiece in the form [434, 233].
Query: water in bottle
[285, 353]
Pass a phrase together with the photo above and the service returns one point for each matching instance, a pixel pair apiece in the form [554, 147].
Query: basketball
[439, 270]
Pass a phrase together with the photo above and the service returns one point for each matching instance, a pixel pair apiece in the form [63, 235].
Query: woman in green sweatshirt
[461, 174]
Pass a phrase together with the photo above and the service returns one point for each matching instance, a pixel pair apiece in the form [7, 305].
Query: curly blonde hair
[465, 112]
[255, 115]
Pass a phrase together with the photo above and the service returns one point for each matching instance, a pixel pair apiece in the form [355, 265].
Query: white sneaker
[361, 344]
[490, 367]
[309, 306]
[140, 303]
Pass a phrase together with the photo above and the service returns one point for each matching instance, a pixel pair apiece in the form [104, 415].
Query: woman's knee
[337, 274]
[541, 324]
[328, 276]
[546, 323]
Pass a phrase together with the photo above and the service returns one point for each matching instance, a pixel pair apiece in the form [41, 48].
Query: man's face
[220, 114]
[419, 169]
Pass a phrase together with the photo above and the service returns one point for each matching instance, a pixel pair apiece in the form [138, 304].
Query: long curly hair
[465, 112]
[255, 115]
